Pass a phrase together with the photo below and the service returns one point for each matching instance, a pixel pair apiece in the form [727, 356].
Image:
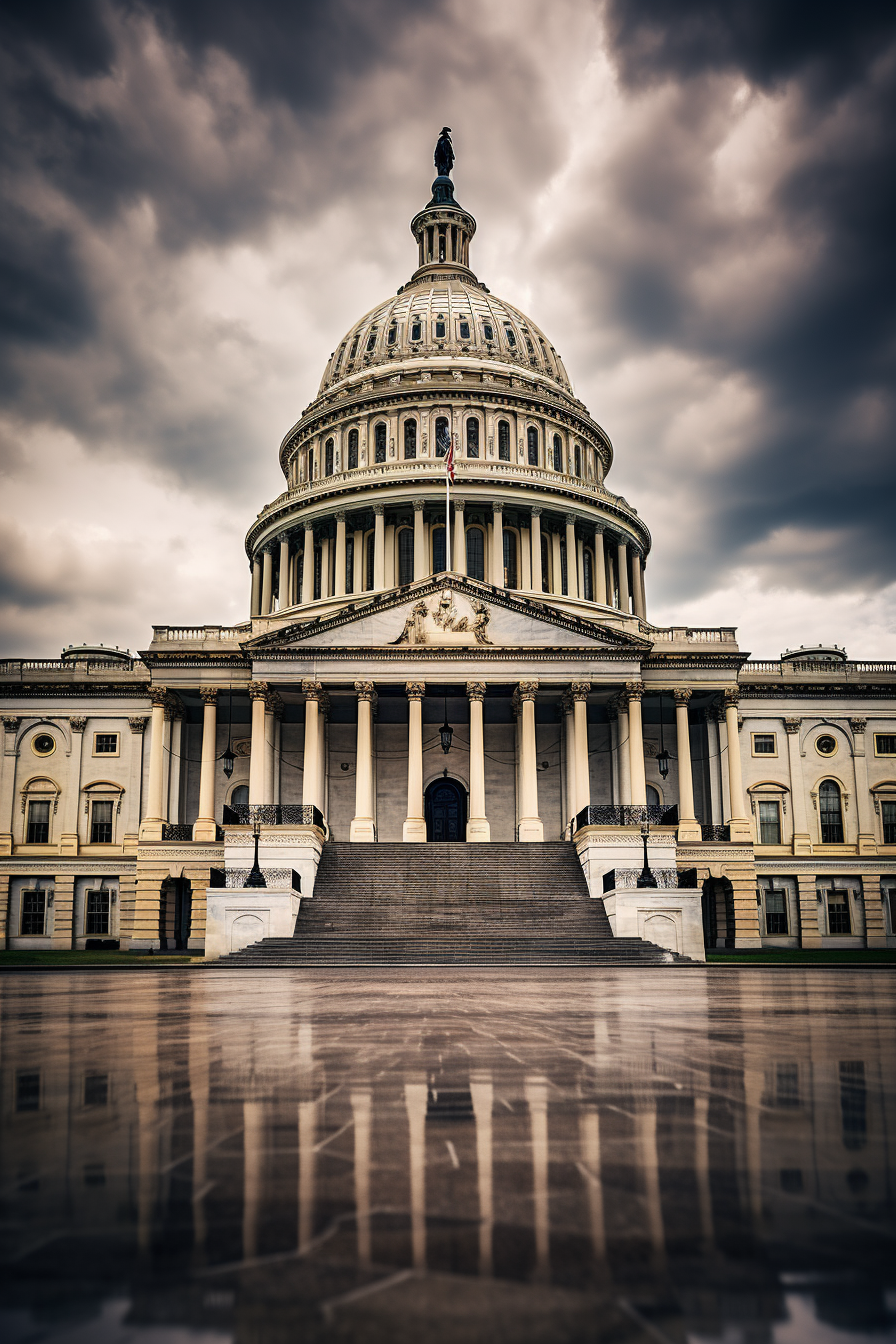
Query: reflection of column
[204, 826]
[600, 568]
[415, 1102]
[531, 826]
[701, 1165]
[253, 1172]
[645, 1135]
[477, 826]
[362, 827]
[199, 1094]
[537, 1099]
[634, 691]
[580, 691]
[459, 549]
[536, 550]
[339, 567]
[414, 829]
[307, 1156]
[482, 1094]
[311, 758]
[738, 820]
[688, 829]
[379, 548]
[361, 1111]
[258, 691]
[589, 1129]
[145, 1048]
[753, 1087]
[358, 576]
[420, 566]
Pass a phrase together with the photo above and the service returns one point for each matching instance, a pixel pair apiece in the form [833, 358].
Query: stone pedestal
[671, 918]
[236, 917]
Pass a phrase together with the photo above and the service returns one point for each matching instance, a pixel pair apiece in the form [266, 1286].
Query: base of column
[362, 831]
[802, 843]
[739, 829]
[414, 831]
[689, 831]
[68, 844]
[150, 829]
[205, 830]
[478, 831]
[530, 828]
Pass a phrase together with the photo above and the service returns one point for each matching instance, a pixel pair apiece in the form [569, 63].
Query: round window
[43, 744]
[825, 745]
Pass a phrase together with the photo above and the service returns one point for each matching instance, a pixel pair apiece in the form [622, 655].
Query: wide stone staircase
[452, 904]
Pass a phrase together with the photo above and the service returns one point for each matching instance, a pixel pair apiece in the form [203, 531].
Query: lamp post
[256, 876]
[646, 878]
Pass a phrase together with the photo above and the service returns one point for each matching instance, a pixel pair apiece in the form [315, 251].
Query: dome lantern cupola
[443, 229]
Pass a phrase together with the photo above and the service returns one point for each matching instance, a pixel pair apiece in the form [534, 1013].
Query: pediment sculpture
[446, 620]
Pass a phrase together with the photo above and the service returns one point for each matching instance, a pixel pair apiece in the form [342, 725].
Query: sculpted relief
[446, 620]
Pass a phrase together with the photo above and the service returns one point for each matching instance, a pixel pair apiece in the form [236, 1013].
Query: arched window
[545, 565]
[393, 334]
[440, 320]
[472, 437]
[405, 556]
[578, 459]
[488, 331]
[532, 441]
[588, 574]
[475, 553]
[352, 449]
[349, 564]
[558, 453]
[443, 436]
[371, 341]
[564, 569]
[416, 329]
[509, 558]
[328, 458]
[653, 797]
[410, 439]
[510, 336]
[318, 571]
[240, 796]
[379, 438]
[354, 349]
[369, 566]
[503, 441]
[438, 550]
[831, 813]
[464, 329]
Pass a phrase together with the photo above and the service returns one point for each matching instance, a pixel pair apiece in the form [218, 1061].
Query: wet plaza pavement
[642, 1157]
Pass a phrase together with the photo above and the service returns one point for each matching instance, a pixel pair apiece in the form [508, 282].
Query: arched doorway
[175, 914]
[446, 810]
[718, 912]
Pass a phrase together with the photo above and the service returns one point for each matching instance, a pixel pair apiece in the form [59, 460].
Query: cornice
[466, 653]
[803, 691]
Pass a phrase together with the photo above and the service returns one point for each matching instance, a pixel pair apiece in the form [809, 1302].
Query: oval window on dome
[503, 441]
[472, 437]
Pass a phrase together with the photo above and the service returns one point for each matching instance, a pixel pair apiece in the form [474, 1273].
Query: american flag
[449, 461]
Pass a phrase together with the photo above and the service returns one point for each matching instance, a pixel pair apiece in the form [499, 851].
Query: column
[308, 565]
[283, 581]
[268, 752]
[258, 693]
[622, 573]
[569, 752]
[600, 568]
[740, 826]
[714, 762]
[151, 826]
[642, 587]
[536, 550]
[323, 709]
[414, 830]
[311, 690]
[802, 843]
[325, 590]
[459, 549]
[339, 570]
[556, 566]
[68, 838]
[421, 568]
[478, 829]
[623, 748]
[497, 558]
[867, 840]
[267, 581]
[572, 557]
[645, 1131]
[634, 691]
[531, 827]
[379, 548]
[415, 1104]
[537, 1100]
[580, 690]
[482, 1096]
[255, 600]
[204, 826]
[175, 760]
[589, 1132]
[363, 828]
[361, 1115]
[7, 781]
[358, 562]
[637, 589]
[137, 725]
[688, 826]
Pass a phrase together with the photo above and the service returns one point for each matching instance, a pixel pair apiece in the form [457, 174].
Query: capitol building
[447, 728]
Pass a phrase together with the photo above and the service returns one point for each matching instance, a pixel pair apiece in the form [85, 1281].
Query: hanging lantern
[227, 757]
[662, 762]
[446, 732]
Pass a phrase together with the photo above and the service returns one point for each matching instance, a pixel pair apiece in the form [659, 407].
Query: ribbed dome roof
[444, 315]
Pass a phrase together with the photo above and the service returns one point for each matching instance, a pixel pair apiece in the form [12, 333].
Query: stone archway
[445, 808]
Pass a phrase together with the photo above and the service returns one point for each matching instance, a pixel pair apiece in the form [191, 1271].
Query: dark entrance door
[446, 810]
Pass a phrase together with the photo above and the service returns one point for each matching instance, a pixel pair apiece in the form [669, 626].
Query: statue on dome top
[444, 155]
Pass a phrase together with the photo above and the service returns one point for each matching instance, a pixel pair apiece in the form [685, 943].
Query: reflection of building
[517, 615]
[459, 1143]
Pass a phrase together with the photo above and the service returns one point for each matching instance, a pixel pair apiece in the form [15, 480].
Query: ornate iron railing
[274, 814]
[171, 831]
[626, 816]
[717, 833]
[667, 879]
[276, 879]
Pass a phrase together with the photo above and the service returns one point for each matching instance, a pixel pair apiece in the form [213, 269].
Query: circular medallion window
[43, 744]
[826, 745]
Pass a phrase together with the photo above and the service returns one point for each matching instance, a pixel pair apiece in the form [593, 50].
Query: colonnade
[288, 571]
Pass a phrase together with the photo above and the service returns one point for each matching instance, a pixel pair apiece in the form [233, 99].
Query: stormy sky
[694, 198]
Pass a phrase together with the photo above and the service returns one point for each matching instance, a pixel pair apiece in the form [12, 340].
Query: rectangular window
[416, 329]
[101, 824]
[488, 331]
[96, 916]
[838, 912]
[96, 1089]
[888, 817]
[28, 1092]
[465, 331]
[34, 913]
[511, 338]
[769, 824]
[765, 744]
[440, 330]
[38, 824]
[775, 911]
[787, 1086]
[105, 744]
[885, 744]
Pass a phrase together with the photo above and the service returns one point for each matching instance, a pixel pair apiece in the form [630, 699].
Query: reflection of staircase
[444, 904]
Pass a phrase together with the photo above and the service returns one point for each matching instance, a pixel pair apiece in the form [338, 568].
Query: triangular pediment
[447, 611]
